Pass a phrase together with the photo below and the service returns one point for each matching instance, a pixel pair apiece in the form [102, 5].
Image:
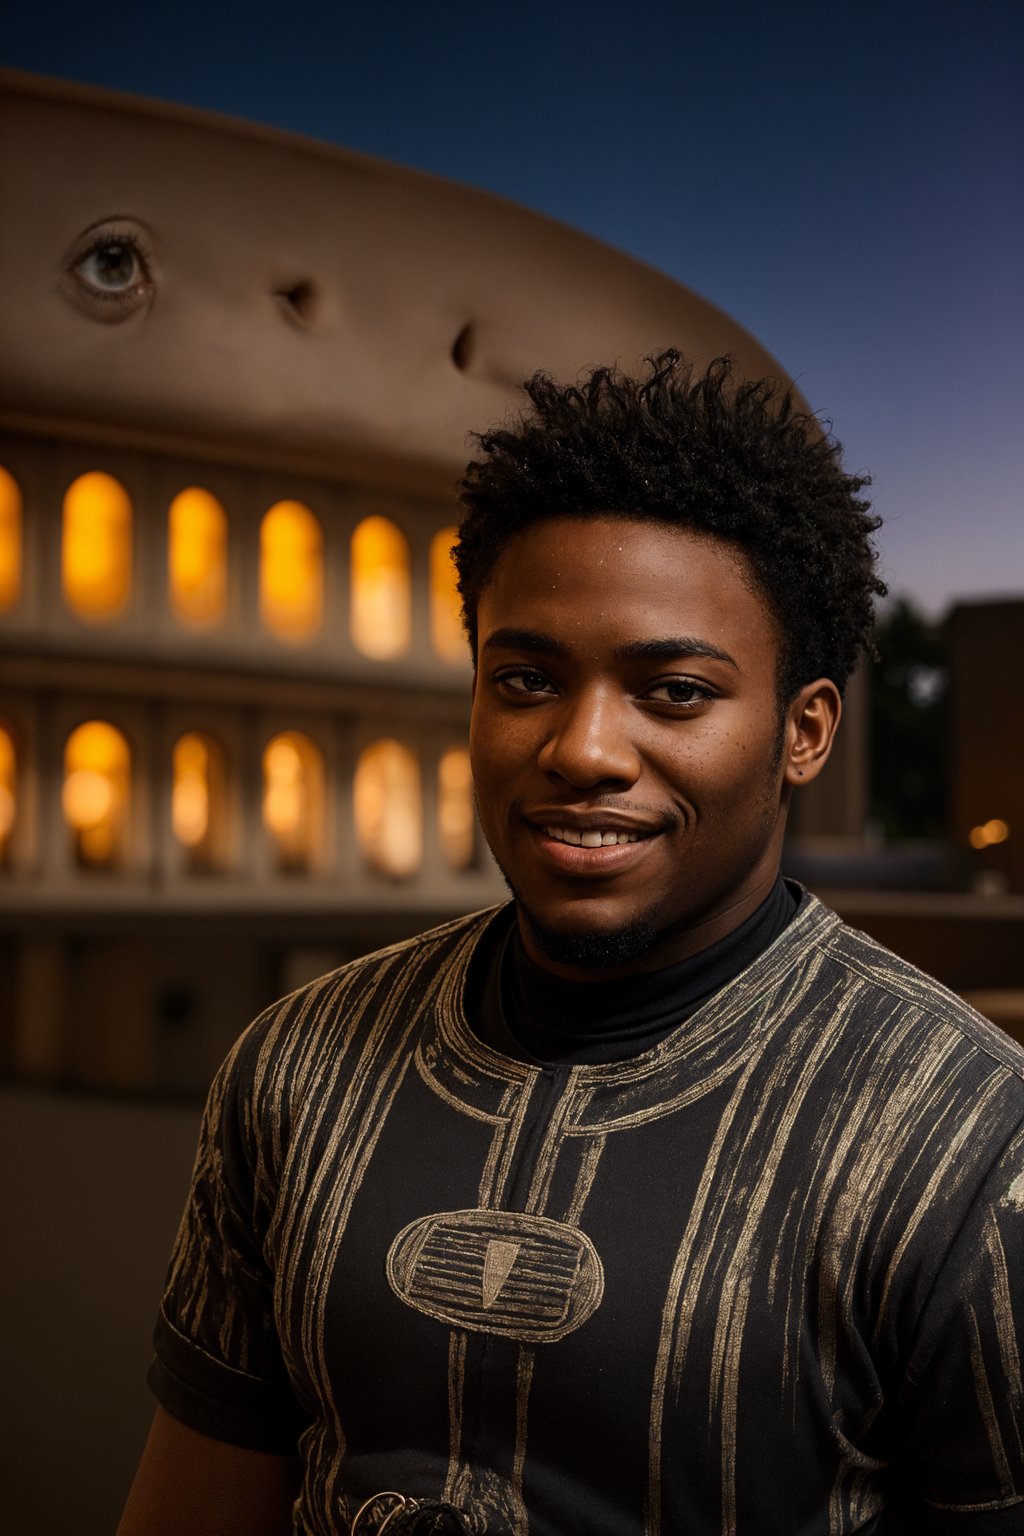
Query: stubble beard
[592, 951]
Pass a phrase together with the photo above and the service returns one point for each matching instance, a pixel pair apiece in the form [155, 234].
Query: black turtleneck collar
[526, 1012]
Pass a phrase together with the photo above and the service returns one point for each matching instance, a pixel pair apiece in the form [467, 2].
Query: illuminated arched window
[198, 799]
[8, 794]
[381, 594]
[293, 799]
[197, 566]
[291, 571]
[388, 808]
[445, 610]
[10, 540]
[96, 548]
[456, 820]
[97, 779]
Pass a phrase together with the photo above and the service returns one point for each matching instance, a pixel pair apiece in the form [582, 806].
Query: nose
[590, 742]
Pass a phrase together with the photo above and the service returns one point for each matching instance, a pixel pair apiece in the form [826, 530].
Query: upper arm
[965, 1402]
[189, 1482]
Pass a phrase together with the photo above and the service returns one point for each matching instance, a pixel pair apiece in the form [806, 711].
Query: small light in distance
[989, 833]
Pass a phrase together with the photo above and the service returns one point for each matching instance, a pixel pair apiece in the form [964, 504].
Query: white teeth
[588, 839]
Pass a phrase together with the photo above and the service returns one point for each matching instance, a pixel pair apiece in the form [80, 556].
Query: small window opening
[97, 782]
[96, 547]
[197, 568]
[389, 808]
[10, 540]
[294, 800]
[446, 630]
[456, 816]
[381, 598]
[291, 572]
[198, 800]
[8, 795]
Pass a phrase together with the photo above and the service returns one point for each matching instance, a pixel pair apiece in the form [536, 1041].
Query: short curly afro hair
[706, 452]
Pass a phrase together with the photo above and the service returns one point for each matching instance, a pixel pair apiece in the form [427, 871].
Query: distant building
[986, 666]
[239, 370]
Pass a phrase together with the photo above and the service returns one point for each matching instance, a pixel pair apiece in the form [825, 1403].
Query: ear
[811, 722]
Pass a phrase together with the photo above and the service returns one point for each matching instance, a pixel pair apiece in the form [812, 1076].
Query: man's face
[626, 739]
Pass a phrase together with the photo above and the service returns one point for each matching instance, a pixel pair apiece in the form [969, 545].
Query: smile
[589, 839]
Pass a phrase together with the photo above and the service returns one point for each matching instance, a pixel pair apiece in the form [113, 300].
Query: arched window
[198, 799]
[10, 540]
[197, 567]
[291, 571]
[388, 808]
[96, 548]
[456, 819]
[8, 794]
[381, 594]
[97, 781]
[446, 630]
[294, 800]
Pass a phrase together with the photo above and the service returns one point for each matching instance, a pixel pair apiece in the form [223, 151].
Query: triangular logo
[498, 1262]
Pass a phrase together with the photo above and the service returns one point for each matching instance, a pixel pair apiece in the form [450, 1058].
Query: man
[656, 1201]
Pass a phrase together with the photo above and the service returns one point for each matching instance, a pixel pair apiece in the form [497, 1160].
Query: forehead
[589, 579]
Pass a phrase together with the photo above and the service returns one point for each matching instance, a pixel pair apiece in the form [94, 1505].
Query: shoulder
[882, 983]
[336, 1016]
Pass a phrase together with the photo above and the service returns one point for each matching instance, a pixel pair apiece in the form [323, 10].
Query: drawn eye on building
[109, 271]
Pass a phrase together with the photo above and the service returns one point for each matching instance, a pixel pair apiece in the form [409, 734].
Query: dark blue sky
[846, 181]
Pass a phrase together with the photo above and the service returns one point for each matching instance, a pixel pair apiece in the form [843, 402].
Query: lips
[589, 844]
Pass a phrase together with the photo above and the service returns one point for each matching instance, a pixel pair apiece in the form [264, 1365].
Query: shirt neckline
[700, 1053]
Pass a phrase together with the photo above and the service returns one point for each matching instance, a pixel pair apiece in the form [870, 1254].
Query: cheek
[497, 740]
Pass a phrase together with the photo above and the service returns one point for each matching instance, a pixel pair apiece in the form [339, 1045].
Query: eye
[525, 680]
[680, 691]
[109, 273]
[111, 267]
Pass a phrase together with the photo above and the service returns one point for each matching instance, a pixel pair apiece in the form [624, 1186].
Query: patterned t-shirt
[764, 1279]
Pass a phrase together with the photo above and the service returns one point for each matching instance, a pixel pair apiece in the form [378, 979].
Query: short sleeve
[964, 1387]
[219, 1366]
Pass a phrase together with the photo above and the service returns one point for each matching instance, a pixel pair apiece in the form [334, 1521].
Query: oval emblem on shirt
[522, 1277]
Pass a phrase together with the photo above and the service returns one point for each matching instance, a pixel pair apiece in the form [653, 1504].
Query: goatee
[590, 951]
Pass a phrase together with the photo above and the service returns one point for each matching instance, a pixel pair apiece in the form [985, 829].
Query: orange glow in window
[456, 818]
[199, 799]
[10, 540]
[291, 572]
[388, 808]
[97, 773]
[96, 547]
[198, 558]
[294, 799]
[381, 594]
[446, 630]
[8, 792]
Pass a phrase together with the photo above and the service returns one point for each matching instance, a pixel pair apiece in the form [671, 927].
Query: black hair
[735, 460]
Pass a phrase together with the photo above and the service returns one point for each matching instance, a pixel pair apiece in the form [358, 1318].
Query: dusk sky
[846, 181]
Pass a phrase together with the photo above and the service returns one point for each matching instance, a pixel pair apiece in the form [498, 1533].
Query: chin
[591, 949]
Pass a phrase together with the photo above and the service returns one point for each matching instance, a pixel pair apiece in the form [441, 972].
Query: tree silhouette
[908, 725]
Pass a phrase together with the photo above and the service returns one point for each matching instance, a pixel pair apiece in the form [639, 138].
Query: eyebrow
[671, 648]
